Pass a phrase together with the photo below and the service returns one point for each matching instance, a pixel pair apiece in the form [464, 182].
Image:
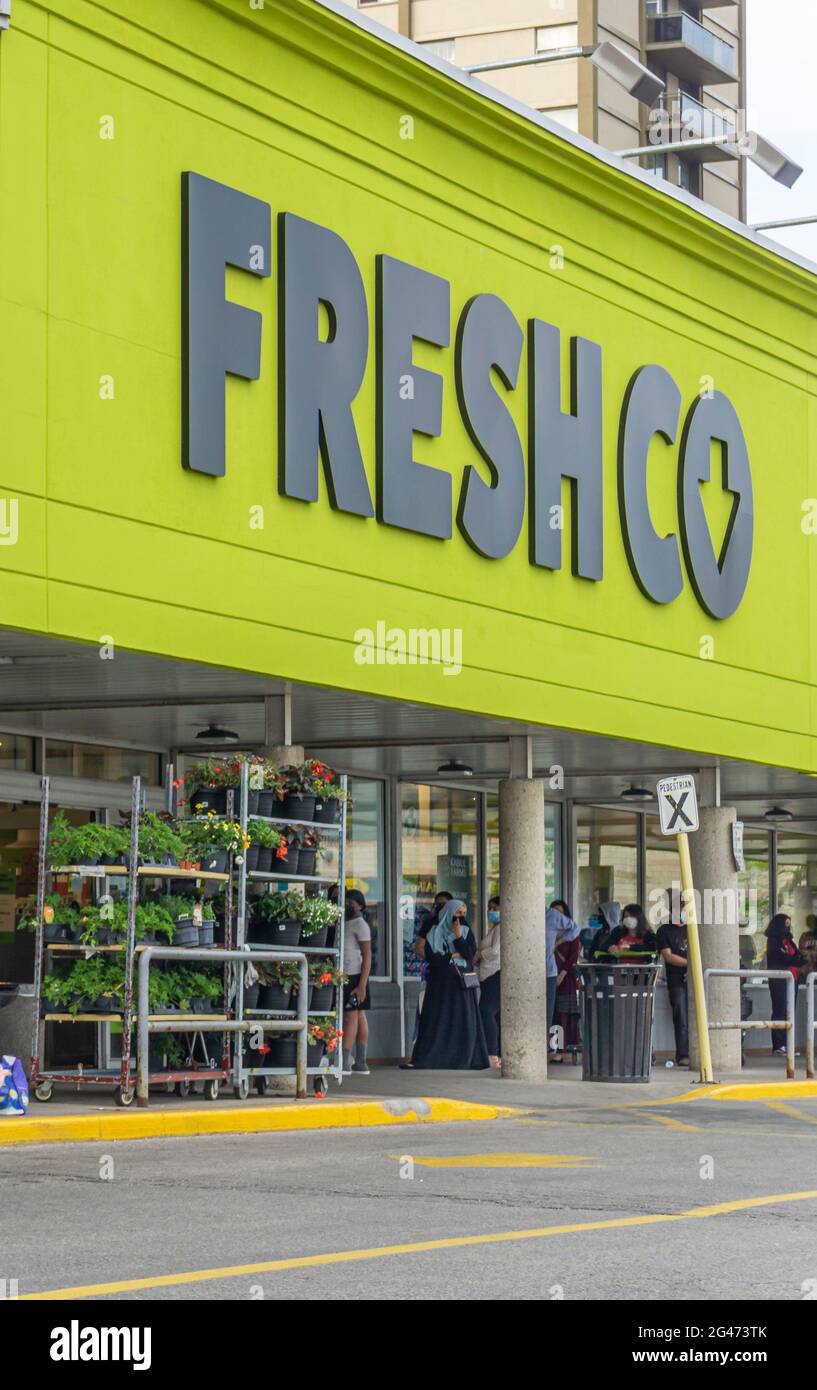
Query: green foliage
[176, 905]
[152, 917]
[158, 837]
[262, 833]
[84, 983]
[62, 912]
[323, 1030]
[67, 844]
[286, 973]
[203, 833]
[279, 907]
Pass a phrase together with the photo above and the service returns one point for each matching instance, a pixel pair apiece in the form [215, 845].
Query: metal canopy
[64, 690]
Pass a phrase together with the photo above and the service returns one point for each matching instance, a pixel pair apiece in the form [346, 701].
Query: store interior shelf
[144, 871]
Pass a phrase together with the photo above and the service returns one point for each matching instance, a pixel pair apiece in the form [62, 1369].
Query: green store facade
[348, 404]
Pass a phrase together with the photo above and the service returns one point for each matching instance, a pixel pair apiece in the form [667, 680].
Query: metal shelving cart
[106, 1071]
[243, 1075]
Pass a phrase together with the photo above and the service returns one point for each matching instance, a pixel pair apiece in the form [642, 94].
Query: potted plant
[329, 795]
[159, 842]
[299, 789]
[180, 911]
[54, 993]
[211, 841]
[286, 857]
[59, 841]
[95, 985]
[307, 852]
[278, 980]
[326, 979]
[322, 1035]
[317, 916]
[207, 783]
[102, 924]
[265, 840]
[60, 918]
[153, 923]
[272, 792]
[207, 925]
[276, 919]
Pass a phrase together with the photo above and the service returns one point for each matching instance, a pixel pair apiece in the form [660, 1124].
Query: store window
[440, 850]
[753, 891]
[662, 871]
[552, 848]
[366, 860]
[96, 761]
[797, 879]
[606, 861]
[19, 841]
[16, 753]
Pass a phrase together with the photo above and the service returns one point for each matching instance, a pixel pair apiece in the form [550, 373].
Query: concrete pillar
[522, 892]
[715, 878]
[285, 754]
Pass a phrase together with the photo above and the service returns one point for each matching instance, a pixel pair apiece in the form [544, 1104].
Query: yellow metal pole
[695, 963]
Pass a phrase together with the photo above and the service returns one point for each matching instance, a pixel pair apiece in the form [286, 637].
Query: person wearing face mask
[357, 963]
[633, 941]
[487, 962]
[566, 954]
[781, 954]
[451, 1036]
[673, 949]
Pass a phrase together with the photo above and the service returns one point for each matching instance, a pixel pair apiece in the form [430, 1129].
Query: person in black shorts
[357, 964]
[672, 947]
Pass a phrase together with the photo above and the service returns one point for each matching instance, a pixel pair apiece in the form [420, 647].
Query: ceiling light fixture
[455, 768]
[778, 813]
[214, 733]
[633, 793]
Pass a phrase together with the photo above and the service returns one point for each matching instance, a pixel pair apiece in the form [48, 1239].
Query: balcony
[687, 119]
[681, 45]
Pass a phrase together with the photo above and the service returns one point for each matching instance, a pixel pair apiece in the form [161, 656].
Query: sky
[782, 105]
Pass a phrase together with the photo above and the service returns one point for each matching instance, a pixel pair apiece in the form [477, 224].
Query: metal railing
[147, 1024]
[682, 28]
[786, 1025]
[810, 1024]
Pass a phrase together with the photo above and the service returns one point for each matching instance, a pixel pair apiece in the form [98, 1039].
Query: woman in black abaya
[450, 1036]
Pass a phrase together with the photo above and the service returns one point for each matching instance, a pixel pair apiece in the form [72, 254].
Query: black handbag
[469, 979]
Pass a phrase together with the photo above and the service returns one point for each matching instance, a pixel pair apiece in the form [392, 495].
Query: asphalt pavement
[626, 1199]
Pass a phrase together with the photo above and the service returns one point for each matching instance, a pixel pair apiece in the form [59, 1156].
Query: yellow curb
[166, 1124]
[742, 1090]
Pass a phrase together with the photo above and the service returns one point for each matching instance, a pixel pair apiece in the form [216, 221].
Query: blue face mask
[493, 917]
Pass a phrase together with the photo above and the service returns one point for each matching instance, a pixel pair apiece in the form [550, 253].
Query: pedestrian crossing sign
[677, 805]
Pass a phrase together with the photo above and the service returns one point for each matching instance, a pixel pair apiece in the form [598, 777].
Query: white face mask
[682, 917]
[630, 923]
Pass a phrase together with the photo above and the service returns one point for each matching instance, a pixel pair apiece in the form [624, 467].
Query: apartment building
[697, 47]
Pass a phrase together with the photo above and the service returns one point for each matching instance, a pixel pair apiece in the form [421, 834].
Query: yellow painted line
[738, 1090]
[790, 1110]
[523, 1160]
[170, 1122]
[670, 1122]
[200, 1276]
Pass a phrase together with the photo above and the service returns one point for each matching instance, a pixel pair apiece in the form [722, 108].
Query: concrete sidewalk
[386, 1097]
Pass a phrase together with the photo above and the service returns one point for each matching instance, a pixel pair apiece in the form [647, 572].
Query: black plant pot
[206, 931]
[327, 810]
[105, 937]
[317, 938]
[55, 931]
[253, 799]
[214, 861]
[110, 858]
[107, 1004]
[306, 861]
[289, 864]
[298, 806]
[285, 933]
[293, 998]
[282, 1053]
[273, 997]
[266, 860]
[267, 804]
[186, 932]
[206, 799]
[252, 858]
[323, 998]
[87, 860]
[147, 938]
[251, 996]
[201, 1006]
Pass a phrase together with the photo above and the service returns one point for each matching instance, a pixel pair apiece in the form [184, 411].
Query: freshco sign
[319, 379]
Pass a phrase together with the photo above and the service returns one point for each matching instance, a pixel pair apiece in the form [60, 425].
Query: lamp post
[642, 84]
[785, 222]
[749, 146]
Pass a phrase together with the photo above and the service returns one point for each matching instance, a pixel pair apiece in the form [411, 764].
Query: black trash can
[617, 1013]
